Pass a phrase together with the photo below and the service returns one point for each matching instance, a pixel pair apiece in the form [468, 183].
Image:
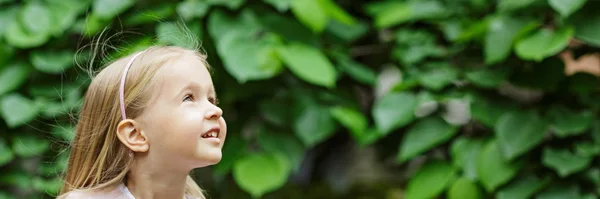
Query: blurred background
[393, 99]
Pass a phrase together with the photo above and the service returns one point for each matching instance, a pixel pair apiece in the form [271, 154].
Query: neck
[149, 179]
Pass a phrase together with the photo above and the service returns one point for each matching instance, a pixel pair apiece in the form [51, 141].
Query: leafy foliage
[471, 95]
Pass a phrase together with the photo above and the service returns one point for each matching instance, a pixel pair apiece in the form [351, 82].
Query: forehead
[183, 71]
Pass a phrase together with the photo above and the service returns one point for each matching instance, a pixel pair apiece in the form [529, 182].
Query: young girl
[147, 120]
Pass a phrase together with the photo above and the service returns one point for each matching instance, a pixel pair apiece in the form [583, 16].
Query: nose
[214, 113]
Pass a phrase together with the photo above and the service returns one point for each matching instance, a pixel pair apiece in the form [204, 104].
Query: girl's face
[183, 124]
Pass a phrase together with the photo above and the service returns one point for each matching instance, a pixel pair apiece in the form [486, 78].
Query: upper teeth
[211, 134]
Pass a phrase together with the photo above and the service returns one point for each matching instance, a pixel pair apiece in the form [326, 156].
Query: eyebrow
[196, 86]
[211, 90]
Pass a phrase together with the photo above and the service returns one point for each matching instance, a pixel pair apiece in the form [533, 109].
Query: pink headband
[122, 87]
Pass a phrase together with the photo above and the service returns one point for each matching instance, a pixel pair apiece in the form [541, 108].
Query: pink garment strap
[122, 87]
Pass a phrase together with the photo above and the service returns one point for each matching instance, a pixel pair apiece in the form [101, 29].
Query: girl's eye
[213, 100]
[188, 98]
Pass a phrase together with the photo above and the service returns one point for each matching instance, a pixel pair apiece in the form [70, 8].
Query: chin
[210, 159]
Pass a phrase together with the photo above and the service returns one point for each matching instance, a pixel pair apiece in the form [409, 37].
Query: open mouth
[212, 133]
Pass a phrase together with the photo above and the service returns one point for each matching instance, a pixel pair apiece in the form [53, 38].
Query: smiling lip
[212, 133]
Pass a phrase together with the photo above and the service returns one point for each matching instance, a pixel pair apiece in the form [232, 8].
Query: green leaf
[367, 137]
[487, 78]
[488, 111]
[50, 186]
[154, 14]
[428, 104]
[566, 8]
[393, 111]
[587, 26]
[560, 191]
[8, 15]
[522, 188]
[79, 5]
[350, 118]
[6, 154]
[451, 28]
[51, 109]
[587, 149]
[493, 169]
[416, 53]
[502, 32]
[63, 17]
[17, 36]
[543, 43]
[56, 166]
[430, 181]
[395, 13]
[17, 110]
[593, 175]
[5, 194]
[190, 9]
[245, 55]
[309, 64]
[474, 31]
[288, 28]
[137, 45]
[286, 144]
[261, 173]
[518, 132]
[28, 146]
[357, 71]
[347, 33]
[280, 5]
[464, 188]
[438, 76]
[566, 122]
[589, 196]
[66, 133]
[178, 35]
[377, 7]
[335, 12]
[107, 9]
[424, 135]
[53, 62]
[564, 162]
[411, 36]
[416, 45]
[510, 5]
[90, 25]
[13, 76]
[231, 4]
[314, 124]
[310, 13]
[36, 18]
[17, 178]
[249, 59]
[465, 152]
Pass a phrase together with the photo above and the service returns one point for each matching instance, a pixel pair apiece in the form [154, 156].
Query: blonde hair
[98, 160]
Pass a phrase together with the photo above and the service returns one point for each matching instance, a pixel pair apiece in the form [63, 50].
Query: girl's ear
[131, 136]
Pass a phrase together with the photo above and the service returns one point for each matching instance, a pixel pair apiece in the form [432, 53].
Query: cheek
[176, 130]
[186, 125]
